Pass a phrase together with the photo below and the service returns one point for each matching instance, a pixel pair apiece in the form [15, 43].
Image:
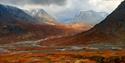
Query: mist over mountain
[17, 25]
[89, 17]
[62, 31]
[110, 31]
[42, 16]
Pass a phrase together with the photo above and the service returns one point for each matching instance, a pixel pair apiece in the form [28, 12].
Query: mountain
[12, 20]
[16, 25]
[42, 16]
[34, 32]
[84, 17]
[89, 16]
[9, 14]
[110, 31]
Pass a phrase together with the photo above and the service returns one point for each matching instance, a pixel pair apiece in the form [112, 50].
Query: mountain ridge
[111, 31]
[42, 16]
[86, 15]
[12, 14]
[16, 25]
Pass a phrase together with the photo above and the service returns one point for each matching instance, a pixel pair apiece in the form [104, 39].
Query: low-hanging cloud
[60, 9]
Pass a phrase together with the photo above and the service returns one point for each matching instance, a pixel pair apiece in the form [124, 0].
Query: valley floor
[65, 57]
[32, 52]
[39, 55]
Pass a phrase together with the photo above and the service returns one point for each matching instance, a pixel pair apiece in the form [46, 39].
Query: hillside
[110, 31]
[16, 25]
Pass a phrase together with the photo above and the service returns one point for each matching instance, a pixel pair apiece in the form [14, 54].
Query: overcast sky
[64, 8]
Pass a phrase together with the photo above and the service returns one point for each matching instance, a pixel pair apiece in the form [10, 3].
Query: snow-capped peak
[42, 16]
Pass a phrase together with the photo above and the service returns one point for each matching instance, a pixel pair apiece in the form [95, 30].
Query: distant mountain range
[110, 31]
[90, 16]
[19, 25]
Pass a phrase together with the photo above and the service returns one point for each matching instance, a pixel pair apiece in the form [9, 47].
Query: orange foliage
[65, 57]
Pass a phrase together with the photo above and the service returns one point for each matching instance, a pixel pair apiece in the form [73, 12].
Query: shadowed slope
[16, 25]
[110, 30]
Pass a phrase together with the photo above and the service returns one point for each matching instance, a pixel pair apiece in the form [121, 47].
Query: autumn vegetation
[64, 57]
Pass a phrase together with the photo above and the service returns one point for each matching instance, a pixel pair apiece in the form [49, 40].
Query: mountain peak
[42, 16]
[84, 17]
[10, 14]
[110, 31]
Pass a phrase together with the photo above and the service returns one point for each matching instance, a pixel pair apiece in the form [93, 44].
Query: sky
[65, 8]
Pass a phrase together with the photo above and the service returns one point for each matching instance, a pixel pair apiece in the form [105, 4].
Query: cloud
[66, 8]
[13, 2]
[34, 2]
[47, 2]
[104, 5]
[98, 5]
[75, 6]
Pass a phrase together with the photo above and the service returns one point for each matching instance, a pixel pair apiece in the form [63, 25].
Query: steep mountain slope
[111, 30]
[11, 18]
[9, 14]
[42, 16]
[16, 25]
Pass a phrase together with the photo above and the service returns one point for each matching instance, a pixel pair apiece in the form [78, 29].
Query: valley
[40, 35]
